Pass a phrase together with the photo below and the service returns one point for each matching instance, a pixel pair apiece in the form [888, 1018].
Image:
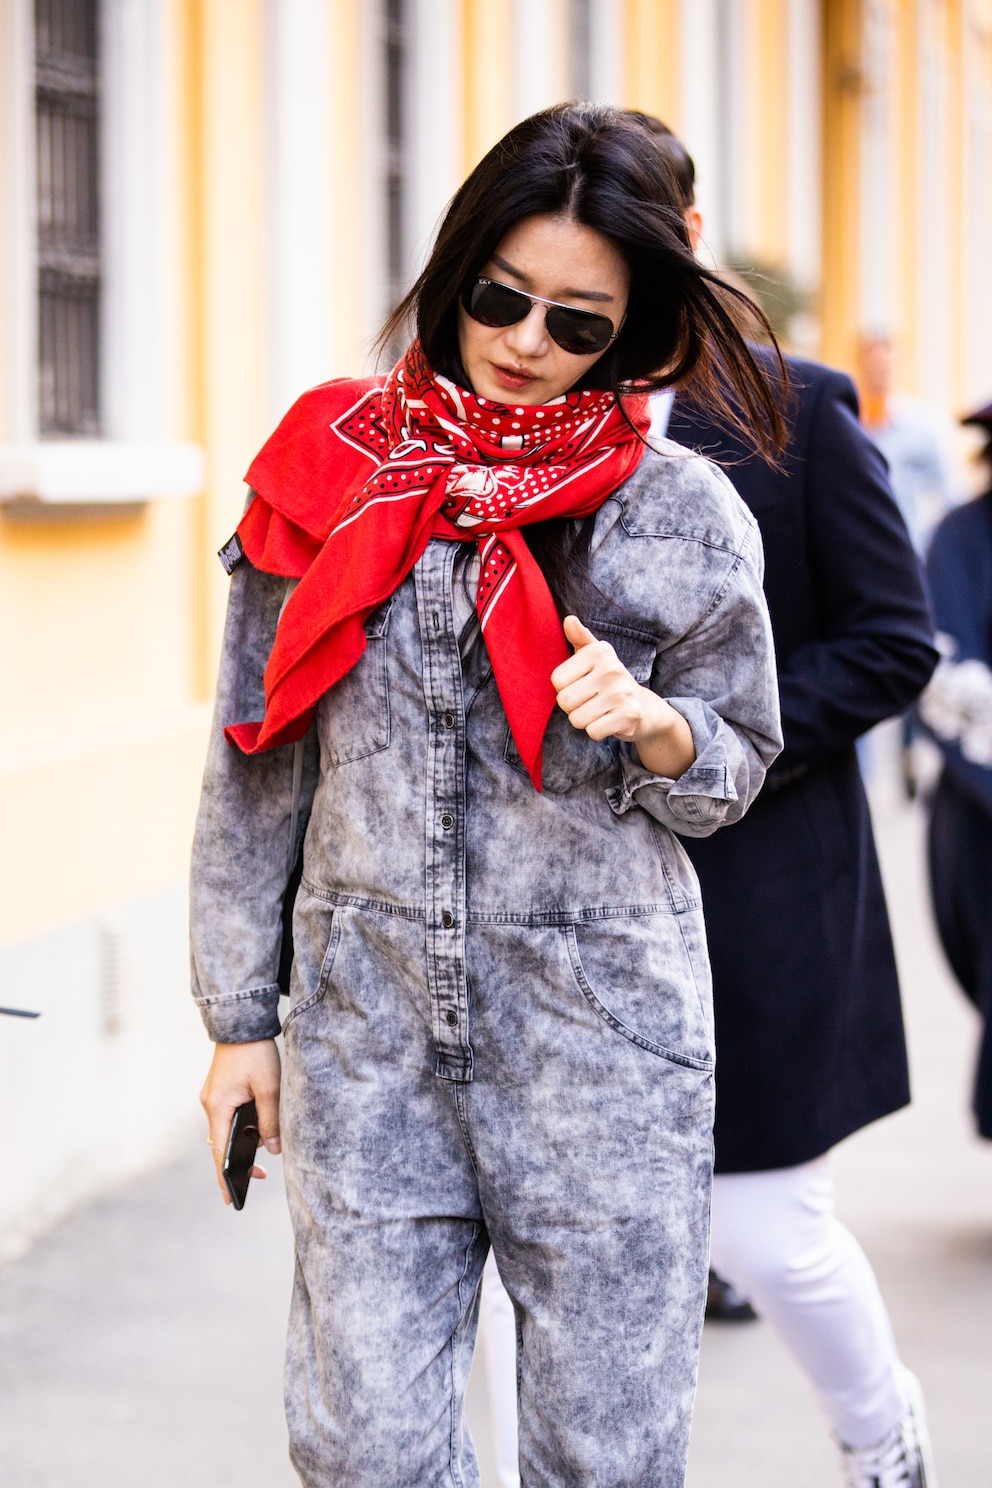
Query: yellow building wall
[230, 224]
[842, 22]
[488, 33]
[113, 617]
[4, 237]
[652, 36]
[97, 617]
[111, 624]
[768, 128]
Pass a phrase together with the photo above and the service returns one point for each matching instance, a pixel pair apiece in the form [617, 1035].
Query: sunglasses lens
[581, 332]
[495, 304]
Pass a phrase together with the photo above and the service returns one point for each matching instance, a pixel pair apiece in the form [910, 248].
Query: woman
[957, 709]
[499, 1028]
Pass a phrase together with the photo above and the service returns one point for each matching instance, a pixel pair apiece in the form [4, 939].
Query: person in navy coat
[808, 1009]
[957, 710]
[809, 1031]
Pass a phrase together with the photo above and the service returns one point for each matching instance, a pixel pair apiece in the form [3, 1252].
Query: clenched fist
[600, 696]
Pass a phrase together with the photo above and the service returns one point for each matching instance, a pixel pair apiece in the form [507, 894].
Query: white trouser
[498, 1340]
[776, 1238]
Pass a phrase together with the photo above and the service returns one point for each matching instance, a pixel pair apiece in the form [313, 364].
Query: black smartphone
[242, 1145]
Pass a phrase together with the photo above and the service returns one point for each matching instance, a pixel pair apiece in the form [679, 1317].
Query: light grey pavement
[140, 1342]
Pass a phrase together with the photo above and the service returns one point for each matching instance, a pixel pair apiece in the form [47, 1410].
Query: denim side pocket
[638, 975]
[316, 925]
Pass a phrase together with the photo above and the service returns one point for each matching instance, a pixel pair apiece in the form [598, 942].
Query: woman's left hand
[600, 696]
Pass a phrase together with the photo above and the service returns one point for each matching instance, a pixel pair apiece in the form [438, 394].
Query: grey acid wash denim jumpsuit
[500, 1029]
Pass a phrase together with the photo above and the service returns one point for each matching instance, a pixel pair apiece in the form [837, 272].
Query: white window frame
[135, 460]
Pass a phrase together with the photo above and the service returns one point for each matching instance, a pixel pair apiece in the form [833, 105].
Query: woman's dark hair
[603, 168]
[682, 164]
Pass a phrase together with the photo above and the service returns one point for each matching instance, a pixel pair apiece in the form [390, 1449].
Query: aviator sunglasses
[582, 332]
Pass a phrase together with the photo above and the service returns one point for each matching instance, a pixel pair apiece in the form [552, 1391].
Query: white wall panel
[606, 38]
[434, 160]
[805, 144]
[735, 212]
[300, 193]
[541, 61]
[18, 286]
[701, 106]
[134, 228]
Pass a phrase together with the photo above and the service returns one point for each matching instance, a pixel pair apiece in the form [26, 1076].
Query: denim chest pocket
[353, 717]
[570, 756]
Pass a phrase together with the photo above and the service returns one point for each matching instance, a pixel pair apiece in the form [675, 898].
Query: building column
[299, 190]
[653, 56]
[842, 85]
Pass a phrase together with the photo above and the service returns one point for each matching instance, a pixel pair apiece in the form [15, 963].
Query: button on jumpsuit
[500, 1030]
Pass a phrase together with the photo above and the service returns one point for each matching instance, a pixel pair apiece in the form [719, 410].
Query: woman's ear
[694, 222]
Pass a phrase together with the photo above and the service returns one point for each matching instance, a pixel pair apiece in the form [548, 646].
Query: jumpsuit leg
[390, 1239]
[594, 1156]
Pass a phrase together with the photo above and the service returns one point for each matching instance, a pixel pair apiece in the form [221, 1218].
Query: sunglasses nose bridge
[530, 333]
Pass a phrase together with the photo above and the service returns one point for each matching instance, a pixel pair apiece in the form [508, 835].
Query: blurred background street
[141, 1341]
[209, 206]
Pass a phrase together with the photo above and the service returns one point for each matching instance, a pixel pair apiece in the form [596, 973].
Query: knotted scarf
[357, 479]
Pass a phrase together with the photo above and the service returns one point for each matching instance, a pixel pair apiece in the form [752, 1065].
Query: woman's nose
[529, 337]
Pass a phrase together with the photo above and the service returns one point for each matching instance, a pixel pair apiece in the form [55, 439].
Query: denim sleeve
[721, 678]
[242, 855]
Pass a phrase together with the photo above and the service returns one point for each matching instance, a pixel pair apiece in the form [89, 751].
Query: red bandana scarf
[357, 479]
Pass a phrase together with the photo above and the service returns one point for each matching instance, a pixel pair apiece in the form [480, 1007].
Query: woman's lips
[507, 378]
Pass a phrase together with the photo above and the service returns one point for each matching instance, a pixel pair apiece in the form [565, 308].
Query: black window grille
[67, 121]
[394, 81]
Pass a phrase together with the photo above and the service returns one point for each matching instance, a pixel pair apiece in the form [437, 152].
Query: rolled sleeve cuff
[698, 801]
[242, 1017]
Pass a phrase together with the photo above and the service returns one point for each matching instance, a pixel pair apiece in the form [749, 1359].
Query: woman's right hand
[239, 1073]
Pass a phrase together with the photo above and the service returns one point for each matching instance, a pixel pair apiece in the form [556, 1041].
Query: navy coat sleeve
[959, 566]
[874, 650]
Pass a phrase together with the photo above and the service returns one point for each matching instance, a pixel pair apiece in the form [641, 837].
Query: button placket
[445, 811]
